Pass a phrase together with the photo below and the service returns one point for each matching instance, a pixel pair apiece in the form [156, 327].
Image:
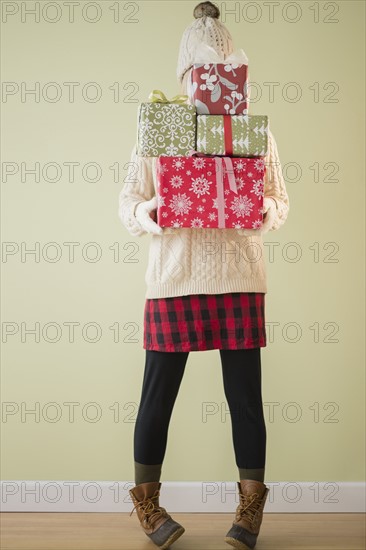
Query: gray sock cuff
[252, 473]
[147, 472]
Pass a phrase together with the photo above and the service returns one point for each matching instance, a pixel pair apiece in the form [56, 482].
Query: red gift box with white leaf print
[210, 192]
[219, 88]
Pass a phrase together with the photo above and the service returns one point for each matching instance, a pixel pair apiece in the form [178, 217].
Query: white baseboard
[180, 496]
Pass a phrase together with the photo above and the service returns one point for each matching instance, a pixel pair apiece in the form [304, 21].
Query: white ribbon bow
[206, 54]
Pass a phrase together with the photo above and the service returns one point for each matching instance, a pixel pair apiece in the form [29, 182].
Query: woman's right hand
[146, 213]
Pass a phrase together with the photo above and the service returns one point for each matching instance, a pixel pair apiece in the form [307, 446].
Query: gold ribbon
[157, 96]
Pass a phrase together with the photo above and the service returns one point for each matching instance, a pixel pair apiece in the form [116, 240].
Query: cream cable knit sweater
[204, 261]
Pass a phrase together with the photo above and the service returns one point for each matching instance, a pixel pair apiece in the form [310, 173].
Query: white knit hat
[206, 28]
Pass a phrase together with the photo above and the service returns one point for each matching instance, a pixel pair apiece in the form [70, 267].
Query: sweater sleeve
[274, 185]
[139, 187]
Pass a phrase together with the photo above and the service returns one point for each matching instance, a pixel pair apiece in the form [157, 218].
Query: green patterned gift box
[166, 127]
[232, 135]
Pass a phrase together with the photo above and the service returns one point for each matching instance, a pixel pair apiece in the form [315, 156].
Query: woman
[193, 277]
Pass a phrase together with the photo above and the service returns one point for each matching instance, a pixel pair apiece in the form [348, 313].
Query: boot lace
[151, 512]
[248, 507]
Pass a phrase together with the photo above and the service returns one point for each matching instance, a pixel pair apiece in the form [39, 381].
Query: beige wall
[313, 367]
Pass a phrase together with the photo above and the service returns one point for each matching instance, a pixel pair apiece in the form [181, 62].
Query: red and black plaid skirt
[200, 322]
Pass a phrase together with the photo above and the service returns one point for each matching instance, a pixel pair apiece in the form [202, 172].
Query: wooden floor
[111, 531]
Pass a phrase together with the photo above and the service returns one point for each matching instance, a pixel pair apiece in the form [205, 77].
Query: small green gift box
[166, 127]
[232, 135]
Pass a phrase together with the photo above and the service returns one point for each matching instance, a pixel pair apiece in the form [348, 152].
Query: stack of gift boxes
[210, 168]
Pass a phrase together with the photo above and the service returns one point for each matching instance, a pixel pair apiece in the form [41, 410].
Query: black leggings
[241, 370]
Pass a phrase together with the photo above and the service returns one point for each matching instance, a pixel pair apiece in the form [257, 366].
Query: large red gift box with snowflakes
[210, 192]
[219, 88]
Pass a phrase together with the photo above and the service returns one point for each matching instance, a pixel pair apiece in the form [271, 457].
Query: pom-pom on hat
[206, 28]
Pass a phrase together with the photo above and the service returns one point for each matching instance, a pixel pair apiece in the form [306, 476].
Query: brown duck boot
[158, 525]
[248, 518]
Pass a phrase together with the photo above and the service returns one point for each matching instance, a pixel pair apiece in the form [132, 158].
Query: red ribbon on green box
[228, 135]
